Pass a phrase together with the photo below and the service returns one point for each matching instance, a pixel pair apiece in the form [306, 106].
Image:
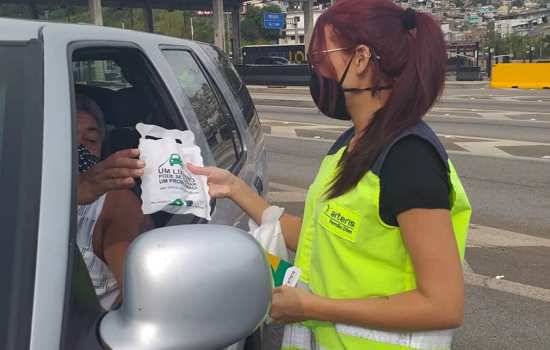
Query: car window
[101, 73]
[211, 110]
[3, 92]
[21, 87]
[238, 88]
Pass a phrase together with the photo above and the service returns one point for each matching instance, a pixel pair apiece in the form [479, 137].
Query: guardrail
[263, 74]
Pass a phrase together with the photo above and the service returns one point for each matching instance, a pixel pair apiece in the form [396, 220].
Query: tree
[459, 3]
[518, 3]
[252, 26]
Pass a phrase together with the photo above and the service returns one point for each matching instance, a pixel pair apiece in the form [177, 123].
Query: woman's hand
[221, 183]
[291, 304]
[117, 172]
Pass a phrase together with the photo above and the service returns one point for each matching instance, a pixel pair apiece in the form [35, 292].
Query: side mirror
[190, 287]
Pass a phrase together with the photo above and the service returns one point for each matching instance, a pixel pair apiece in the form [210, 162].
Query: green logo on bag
[177, 203]
[180, 203]
[174, 172]
[175, 159]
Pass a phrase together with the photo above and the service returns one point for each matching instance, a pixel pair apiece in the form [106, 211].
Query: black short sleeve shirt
[413, 175]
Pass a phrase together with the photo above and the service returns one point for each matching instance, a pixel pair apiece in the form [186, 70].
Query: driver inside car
[109, 213]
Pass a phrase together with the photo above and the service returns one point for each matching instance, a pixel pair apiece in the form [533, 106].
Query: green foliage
[458, 3]
[252, 26]
[518, 3]
[173, 23]
[519, 46]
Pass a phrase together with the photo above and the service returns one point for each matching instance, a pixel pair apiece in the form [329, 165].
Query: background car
[271, 60]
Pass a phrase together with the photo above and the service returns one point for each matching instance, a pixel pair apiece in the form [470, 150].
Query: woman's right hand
[221, 183]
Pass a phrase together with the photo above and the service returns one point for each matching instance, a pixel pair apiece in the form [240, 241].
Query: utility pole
[96, 15]
[219, 28]
[308, 22]
[296, 35]
[192, 30]
[148, 17]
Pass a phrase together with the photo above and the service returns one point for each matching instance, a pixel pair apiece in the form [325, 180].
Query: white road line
[484, 236]
[287, 197]
[487, 145]
[503, 285]
[287, 188]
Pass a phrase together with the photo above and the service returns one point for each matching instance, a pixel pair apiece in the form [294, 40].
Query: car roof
[24, 30]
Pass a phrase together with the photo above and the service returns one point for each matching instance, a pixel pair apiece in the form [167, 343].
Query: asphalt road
[500, 145]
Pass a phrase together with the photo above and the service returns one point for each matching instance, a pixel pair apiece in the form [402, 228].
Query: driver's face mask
[86, 159]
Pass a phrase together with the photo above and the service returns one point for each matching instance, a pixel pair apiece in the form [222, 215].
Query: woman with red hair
[383, 235]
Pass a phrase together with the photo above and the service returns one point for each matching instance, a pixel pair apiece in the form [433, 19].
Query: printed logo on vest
[340, 221]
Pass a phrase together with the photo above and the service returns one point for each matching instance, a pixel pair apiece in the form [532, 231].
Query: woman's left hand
[291, 304]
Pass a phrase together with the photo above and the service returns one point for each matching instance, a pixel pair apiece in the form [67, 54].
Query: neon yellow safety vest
[346, 251]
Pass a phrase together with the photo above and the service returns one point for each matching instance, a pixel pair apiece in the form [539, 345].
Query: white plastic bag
[167, 184]
[269, 233]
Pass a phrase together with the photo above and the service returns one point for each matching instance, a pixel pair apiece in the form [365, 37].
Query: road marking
[284, 187]
[285, 193]
[479, 236]
[286, 197]
[481, 146]
[485, 113]
[488, 237]
[502, 285]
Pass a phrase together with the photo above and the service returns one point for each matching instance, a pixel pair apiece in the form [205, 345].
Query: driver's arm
[122, 221]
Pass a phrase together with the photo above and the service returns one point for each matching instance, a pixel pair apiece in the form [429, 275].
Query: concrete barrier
[521, 76]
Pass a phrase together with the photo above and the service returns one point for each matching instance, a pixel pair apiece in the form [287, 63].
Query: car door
[21, 126]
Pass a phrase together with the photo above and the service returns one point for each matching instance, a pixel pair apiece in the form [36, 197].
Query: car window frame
[74, 260]
[24, 213]
[242, 156]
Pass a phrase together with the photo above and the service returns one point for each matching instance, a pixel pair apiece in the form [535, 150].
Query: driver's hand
[117, 172]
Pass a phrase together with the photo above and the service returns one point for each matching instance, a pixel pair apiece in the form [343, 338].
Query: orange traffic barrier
[521, 75]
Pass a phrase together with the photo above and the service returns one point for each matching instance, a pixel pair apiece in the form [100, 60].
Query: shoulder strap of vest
[342, 141]
[421, 130]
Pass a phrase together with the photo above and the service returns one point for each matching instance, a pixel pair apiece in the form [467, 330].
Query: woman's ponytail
[413, 60]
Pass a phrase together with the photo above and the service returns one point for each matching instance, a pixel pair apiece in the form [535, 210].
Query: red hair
[412, 61]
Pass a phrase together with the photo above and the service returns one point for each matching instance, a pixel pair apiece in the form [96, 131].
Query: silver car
[186, 285]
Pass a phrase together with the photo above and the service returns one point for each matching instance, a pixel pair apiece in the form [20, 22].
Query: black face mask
[86, 159]
[333, 102]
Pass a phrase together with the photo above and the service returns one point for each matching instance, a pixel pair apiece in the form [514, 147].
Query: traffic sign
[274, 20]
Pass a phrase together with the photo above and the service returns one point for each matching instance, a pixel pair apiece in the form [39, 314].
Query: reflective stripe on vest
[299, 337]
[430, 340]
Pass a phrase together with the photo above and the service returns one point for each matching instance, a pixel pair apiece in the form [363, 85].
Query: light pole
[296, 35]
[192, 30]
